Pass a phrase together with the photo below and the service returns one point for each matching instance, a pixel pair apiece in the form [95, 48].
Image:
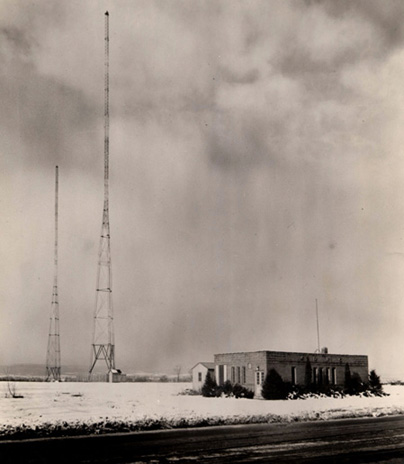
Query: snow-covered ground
[45, 403]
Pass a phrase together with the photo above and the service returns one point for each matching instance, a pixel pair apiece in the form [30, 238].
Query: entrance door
[259, 380]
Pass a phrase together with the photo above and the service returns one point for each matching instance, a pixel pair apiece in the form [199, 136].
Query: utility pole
[53, 353]
[103, 346]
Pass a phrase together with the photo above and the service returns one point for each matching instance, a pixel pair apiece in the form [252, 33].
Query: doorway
[259, 380]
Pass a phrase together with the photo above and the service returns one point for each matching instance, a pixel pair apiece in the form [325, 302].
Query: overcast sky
[256, 165]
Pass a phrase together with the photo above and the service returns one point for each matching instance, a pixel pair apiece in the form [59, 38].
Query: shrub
[241, 392]
[375, 385]
[347, 380]
[274, 388]
[357, 386]
[189, 392]
[236, 390]
[226, 389]
[12, 391]
[209, 388]
[396, 382]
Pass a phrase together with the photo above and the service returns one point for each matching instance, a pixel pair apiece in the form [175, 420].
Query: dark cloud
[17, 40]
[383, 16]
[45, 113]
[243, 142]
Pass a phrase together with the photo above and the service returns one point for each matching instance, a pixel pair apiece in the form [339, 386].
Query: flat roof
[298, 353]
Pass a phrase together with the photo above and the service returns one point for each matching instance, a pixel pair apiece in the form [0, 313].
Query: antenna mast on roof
[103, 346]
[318, 329]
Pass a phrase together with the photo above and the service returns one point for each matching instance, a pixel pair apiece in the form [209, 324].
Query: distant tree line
[22, 378]
[99, 378]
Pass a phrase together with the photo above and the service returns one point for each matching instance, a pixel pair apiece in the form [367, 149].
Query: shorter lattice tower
[103, 346]
[53, 354]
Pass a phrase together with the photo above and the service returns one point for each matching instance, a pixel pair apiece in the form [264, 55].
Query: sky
[256, 165]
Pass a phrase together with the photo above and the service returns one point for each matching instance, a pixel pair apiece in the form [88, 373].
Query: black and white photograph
[202, 231]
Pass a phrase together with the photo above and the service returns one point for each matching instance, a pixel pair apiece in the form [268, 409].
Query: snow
[45, 403]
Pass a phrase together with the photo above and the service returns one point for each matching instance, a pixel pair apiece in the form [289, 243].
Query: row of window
[320, 375]
[324, 375]
[238, 374]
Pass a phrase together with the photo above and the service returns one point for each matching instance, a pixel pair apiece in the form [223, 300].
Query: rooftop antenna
[103, 346]
[53, 353]
[318, 329]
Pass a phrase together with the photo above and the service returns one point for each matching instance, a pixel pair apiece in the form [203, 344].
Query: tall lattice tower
[103, 346]
[53, 354]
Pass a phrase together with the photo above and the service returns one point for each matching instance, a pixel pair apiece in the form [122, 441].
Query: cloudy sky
[257, 164]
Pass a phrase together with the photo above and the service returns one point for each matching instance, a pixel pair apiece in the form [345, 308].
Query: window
[199, 376]
[294, 376]
[233, 374]
[244, 375]
[334, 376]
[221, 374]
[259, 377]
[238, 374]
[320, 376]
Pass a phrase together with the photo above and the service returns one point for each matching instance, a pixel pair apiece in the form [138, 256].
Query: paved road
[370, 440]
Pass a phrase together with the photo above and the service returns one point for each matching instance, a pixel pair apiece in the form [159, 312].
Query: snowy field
[52, 403]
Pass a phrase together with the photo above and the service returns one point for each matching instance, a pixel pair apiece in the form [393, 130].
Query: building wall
[116, 377]
[248, 362]
[199, 375]
[283, 363]
[325, 365]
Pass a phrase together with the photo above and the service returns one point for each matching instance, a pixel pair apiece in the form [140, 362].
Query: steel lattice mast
[53, 353]
[103, 346]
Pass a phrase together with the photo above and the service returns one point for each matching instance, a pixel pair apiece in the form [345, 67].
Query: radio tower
[53, 354]
[103, 347]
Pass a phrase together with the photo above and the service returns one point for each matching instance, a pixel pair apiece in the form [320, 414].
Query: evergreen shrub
[274, 388]
[209, 388]
[375, 386]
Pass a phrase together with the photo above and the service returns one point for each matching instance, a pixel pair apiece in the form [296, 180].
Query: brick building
[249, 369]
